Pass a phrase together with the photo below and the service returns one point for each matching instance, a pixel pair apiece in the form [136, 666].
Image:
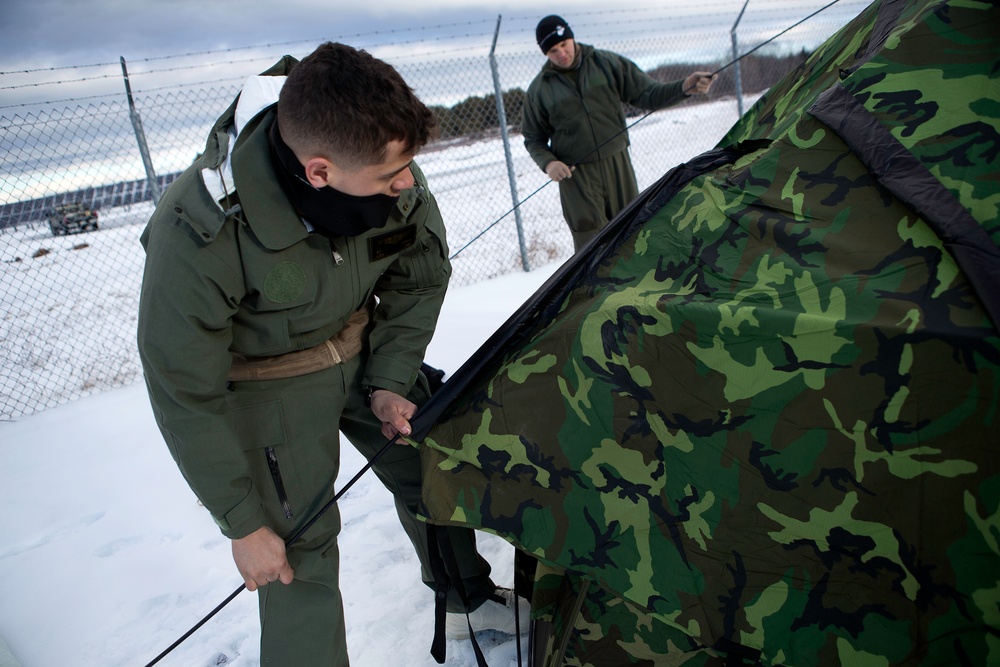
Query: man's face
[562, 54]
[390, 177]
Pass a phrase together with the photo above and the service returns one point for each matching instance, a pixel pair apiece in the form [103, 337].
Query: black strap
[442, 560]
[906, 177]
[441, 586]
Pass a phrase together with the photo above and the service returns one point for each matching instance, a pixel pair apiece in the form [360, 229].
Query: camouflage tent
[756, 421]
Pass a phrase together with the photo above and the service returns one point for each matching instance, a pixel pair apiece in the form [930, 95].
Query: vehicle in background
[72, 218]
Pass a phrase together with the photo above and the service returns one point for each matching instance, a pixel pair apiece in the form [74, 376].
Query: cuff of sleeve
[386, 373]
[243, 519]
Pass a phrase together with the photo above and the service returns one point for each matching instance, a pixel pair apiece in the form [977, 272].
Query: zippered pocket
[279, 484]
[260, 431]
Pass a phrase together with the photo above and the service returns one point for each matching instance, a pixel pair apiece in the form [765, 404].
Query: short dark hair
[346, 105]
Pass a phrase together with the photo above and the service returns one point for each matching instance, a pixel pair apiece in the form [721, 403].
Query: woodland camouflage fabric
[761, 417]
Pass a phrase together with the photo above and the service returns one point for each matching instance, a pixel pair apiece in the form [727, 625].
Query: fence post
[502, 118]
[140, 137]
[736, 59]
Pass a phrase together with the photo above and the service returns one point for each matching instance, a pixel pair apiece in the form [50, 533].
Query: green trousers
[294, 461]
[595, 194]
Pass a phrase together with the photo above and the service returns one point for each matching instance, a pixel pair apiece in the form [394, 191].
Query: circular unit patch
[284, 282]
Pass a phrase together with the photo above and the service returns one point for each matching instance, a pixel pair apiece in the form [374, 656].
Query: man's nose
[404, 181]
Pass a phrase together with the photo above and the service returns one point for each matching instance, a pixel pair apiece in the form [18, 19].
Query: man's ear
[319, 172]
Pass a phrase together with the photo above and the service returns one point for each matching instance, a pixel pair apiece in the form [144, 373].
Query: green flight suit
[576, 117]
[222, 278]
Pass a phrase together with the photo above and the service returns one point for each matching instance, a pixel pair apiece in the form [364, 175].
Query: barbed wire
[624, 17]
[257, 46]
[422, 28]
[214, 63]
[65, 81]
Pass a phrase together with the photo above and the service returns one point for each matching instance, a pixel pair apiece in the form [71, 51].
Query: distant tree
[476, 117]
[513, 104]
[448, 126]
[758, 72]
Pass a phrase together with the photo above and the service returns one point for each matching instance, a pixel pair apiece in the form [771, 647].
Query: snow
[106, 558]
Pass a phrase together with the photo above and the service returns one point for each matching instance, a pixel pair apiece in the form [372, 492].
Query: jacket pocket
[260, 429]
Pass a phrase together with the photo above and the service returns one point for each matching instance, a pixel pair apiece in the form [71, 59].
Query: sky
[40, 33]
[59, 33]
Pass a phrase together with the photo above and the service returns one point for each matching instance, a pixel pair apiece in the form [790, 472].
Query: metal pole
[502, 117]
[140, 136]
[736, 59]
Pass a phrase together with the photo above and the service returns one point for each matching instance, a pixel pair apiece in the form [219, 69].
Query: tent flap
[760, 413]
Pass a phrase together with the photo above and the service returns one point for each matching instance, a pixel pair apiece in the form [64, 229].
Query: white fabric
[259, 92]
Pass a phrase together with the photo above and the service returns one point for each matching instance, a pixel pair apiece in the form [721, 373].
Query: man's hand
[698, 82]
[260, 558]
[394, 412]
[558, 170]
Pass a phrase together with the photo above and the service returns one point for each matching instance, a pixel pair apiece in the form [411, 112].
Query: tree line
[477, 117]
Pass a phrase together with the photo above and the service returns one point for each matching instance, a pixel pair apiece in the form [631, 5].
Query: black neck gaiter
[331, 212]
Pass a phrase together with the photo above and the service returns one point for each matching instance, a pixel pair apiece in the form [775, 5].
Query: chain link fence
[69, 302]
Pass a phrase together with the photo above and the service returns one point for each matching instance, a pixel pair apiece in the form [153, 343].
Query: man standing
[294, 274]
[574, 124]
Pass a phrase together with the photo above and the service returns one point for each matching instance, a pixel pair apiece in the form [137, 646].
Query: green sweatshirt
[568, 120]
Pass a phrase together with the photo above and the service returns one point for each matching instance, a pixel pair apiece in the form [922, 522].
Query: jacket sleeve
[536, 128]
[643, 91]
[410, 294]
[190, 292]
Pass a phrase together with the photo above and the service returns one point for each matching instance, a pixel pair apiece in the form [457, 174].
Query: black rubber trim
[902, 174]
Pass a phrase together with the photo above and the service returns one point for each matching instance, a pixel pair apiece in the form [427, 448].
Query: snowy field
[106, 557]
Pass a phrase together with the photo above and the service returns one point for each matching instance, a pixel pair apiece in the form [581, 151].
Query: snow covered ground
[105, 555]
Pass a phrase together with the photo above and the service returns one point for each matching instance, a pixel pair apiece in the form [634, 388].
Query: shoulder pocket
[430, 257]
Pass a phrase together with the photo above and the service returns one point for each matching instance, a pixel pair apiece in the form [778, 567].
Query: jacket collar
[265, 206]
[237, 152]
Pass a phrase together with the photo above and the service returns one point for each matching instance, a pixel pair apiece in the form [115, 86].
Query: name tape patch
[388, 244]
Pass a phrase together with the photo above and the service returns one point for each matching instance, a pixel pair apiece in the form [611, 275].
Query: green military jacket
[582, 120]
[221, 279]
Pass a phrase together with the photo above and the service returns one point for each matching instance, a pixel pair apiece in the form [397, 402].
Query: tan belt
[342, 347]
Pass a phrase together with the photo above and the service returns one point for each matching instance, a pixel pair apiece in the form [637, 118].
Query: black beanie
[550, 31]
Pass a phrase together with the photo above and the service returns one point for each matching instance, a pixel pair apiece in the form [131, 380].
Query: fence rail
[68, 304]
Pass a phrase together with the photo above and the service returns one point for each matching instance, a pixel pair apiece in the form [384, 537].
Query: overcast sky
[53, 33]
[57, 50]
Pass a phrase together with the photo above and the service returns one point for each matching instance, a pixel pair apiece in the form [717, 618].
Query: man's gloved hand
[558, 170]
[394, 411]
[260, 558]
[698, 82]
